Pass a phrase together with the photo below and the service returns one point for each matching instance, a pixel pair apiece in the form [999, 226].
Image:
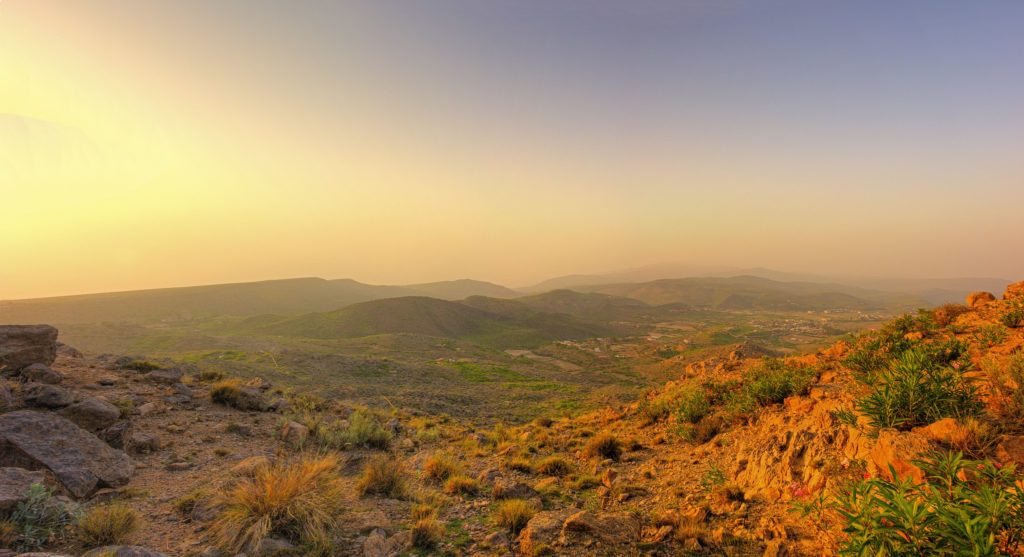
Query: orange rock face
[1014, 291]
[979, 299]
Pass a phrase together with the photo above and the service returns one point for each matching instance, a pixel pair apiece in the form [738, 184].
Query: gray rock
[92, 414]
[181, 389]
[117, 435]
[24, 345]
[47, 396]
[274, 547]
[68, 351]
[142, 442]
[168, 376]
[41, 373]
[14, 483]
[78, 459]
[122, 551]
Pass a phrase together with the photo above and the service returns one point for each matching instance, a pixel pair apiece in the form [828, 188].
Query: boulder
[92, 414]
[895, 451]
[543, 529]
[68, 351]
[274, 547]
[79, 460]
[41, 373]
[122, 551]
[142, 442]
[606, 528]
[14, 484]
[47, 396]
[1011, 450]
[117, 435]
[294, 434]
[379, 544]
[24, 345]
[168, 376]
[979, 299]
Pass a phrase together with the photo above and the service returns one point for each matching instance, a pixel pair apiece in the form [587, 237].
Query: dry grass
[440, 466]
[385, 476]
[427, 533]
[299, 501]
[604, 445]
[422, 510]
[226, 391]
[461, 485]
[8, 533]
[553, 466]
[106, 525]
[514, 514]
[519, 464]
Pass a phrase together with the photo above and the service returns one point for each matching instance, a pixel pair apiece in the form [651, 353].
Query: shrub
[553, 466]
[963, 507]
[773, 382]
[543, 421]
[1014, 317]
[692, 404]
[37, 520]
[427, 533]
[946, 314]
[1007, 380]
[917, 390]
[298, 501]
[106, 525]
[383, 475]
[141, 366]
[514, 514]
[363, 430]
[461, 485]
[605, 445]
[440, 466]
[990, 335]
[226, 391]
[519, 464]
[706, 429]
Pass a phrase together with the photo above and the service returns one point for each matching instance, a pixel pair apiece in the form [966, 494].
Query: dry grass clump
[106, 525]
[422, 510]
[461, 485]
[226, 391]
[604, 445]
[298, 501]
[553, 466]
[440, 466]
[519, 464]
[427, 533]
[514, 514]
[383, 476]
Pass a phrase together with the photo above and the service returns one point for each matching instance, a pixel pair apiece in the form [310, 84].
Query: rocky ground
[632, 480]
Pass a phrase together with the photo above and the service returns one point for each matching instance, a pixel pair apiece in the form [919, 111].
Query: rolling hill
[503, 323]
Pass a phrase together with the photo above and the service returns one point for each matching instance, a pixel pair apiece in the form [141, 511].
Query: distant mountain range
[598, 298]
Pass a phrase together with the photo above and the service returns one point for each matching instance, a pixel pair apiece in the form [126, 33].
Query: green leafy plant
[1014, 317]
[991, 334]
[963, 507]
[39, 519]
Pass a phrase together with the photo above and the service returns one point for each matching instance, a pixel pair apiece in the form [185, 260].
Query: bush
[427, 533]
[963, 507]
[605, 445]
[991, 335]
[142, 366]
[519, 464]
[440, 466]
[385, 476]
[363, 430]
[706, 429]
[553, 466]
[106, 525]
[919, 389]
[461, 485]
[773, 382]
[514, 514]
[37, 520]
[226, 391]
[692, 404]
[298, 501]
[1014, 317]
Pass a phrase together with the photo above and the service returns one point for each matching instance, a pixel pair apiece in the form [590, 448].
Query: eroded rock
[24, 345]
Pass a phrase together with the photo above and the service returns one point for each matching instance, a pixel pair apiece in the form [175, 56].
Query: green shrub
[37, 520]
[963, 507]
[141, 366]
[692, 404]
[991, 334]
[1014, 317]
[918, 389]
[362, 430]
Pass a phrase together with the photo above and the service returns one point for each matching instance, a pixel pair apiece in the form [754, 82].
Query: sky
[147, 143]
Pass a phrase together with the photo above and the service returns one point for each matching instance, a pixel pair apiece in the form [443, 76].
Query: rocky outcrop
[979, 299]
[79, 460]
[14, 484]
[543, 529]
[41, 373]
[607, 529]
[92, 414]
[1014, 291]
[47, 396]
[24, 345]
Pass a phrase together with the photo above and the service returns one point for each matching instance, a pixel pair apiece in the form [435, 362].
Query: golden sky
[147, 144]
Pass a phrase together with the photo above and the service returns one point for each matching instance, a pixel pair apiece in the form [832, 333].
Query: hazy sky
[148, 143]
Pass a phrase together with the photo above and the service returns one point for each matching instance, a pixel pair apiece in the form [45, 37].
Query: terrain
[739, 454]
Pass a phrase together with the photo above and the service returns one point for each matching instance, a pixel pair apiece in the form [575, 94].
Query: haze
[153, 143]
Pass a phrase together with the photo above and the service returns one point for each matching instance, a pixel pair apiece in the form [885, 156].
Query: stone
[68, 351]
[182, 390]
[294, 434]
[147, 409]
[274, 547]
[169, 376]
[141, 442]
[947, 431]
[543, 529]
[80, 461]
[47, 396]
[14, 484]
[896, 450]
[608, 528]
[179, 466]
[92, 414]
[1011, 450]
[379, 544]
[979, 299]
[122, 551]
[497, 539]
[24, 345]
[117, 435]
[41, 373]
